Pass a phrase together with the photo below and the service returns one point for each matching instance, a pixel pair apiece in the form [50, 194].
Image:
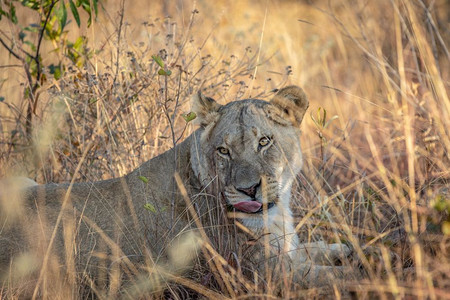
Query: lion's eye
[264, 142]
[223, 151]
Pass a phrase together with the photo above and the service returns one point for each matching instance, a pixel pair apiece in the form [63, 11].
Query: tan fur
[103, 225]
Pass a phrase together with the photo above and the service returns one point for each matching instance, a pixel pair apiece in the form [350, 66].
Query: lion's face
[252, 148]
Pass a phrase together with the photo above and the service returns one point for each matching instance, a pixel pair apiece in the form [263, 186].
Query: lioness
[237, 168]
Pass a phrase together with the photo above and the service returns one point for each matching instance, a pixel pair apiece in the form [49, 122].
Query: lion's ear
[293, 103]
[205, 108]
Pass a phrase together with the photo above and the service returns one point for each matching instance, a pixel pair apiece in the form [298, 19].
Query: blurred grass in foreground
[376, 175]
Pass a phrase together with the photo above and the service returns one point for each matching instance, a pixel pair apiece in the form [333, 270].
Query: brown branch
[33, 98]
[11, 51]
[38, 48]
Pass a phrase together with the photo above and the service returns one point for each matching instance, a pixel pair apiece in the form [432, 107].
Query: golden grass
[377, 175]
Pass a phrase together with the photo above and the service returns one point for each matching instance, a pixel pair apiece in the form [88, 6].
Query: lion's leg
[321, 253]
[320, 263]
[318, 275]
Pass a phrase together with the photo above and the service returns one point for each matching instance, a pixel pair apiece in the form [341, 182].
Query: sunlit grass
[376, 177]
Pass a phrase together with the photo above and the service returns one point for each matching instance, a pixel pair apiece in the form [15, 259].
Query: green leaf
[440, 203]
[22, 35]
[2, 13]
[12, 14]
[87, 7]
[143, 178]
[55, 70]
[61, 14]
[94, 2]
[32, 46]
[446, 228]
[164, 73]
[78, 44]
[31, 4]
[158, 60]
[32, 28]
[2, 99]
[57, 74]
[75, 14]
[189, 116]
[150, 207]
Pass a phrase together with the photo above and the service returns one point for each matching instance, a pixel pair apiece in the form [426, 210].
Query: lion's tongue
[248, 206]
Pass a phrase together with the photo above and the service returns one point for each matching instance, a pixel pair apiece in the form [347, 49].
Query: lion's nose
[250, 191]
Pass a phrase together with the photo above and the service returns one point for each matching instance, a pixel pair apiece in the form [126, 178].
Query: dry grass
[377, 175]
